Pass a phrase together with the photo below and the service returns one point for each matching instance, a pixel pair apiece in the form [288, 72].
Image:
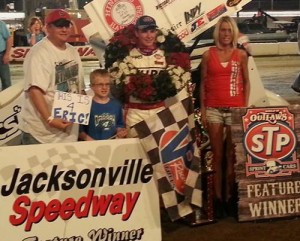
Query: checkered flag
[169, 139]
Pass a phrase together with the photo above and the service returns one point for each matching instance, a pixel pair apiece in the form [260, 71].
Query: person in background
[244, 43]
[296, 84]
[49, 66]
[36, 33]
[106, 116]
[224, 85]
[146, 57]
[298, 37]
[6, 43]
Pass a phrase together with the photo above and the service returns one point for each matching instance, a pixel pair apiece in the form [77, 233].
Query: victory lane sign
[267, 168]
[270, 142]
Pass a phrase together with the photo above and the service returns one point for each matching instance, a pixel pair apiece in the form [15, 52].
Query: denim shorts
[219, 115]
[28, 139]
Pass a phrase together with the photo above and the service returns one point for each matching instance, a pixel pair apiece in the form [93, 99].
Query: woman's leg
[230, 158]
[215, 131]
[231, 197]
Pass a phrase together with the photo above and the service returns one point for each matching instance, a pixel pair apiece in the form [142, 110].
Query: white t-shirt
[50, 69]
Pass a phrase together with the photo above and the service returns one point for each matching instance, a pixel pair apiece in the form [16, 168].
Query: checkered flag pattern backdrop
[173, 129]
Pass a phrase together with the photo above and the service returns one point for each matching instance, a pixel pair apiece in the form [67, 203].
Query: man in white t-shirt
[52, 64]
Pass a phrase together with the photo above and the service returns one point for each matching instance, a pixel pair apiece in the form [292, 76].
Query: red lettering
[18, 53]
[100, 205]
[86, 51]
[183, 34]
[36, 213]
[19, 210]
[130, 204]
[82, 51]
[52, 210]
[67, 209]
[90, 52]
[26, 52]
[32, 212]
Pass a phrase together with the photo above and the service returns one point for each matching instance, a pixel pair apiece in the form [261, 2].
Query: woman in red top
[224, 84]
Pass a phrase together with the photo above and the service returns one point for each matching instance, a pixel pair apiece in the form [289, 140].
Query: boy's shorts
[219, 115]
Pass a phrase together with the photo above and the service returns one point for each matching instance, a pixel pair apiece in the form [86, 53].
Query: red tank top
[224, 85]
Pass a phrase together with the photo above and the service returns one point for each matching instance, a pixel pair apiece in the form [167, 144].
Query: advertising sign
[86, 52]
[267, 168]
[270, 142]
[98, 190]
[187, 20]
[10, 114]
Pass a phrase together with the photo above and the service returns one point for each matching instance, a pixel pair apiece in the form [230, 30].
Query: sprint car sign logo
[270, 142]
[232, 3]
[176, 153]
[121, 13]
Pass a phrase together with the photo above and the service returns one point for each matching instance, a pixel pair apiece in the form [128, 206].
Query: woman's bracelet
[50, 119]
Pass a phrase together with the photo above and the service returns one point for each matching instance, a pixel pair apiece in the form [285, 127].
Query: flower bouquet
[129, 81]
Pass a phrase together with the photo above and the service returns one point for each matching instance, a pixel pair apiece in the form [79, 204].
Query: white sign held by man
[72, 107]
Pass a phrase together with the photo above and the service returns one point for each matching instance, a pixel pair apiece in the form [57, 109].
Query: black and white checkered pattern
[150, 132]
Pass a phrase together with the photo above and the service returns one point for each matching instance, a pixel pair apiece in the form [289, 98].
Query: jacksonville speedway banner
[267, 161]
[84, 191]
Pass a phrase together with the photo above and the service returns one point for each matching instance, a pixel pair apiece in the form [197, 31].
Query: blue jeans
[4, 73]
[28, 139]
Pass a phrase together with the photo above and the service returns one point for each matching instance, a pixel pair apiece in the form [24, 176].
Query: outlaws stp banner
[267, 161]
[270, 142]
[100, 190]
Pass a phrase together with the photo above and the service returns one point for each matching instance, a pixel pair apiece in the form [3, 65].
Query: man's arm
[36, 95]
[6, 56]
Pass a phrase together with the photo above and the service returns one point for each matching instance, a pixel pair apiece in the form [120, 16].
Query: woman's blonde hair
[234, 30]
[33, 20]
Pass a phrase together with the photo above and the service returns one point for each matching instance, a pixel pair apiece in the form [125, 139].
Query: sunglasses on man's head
[62, 24]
